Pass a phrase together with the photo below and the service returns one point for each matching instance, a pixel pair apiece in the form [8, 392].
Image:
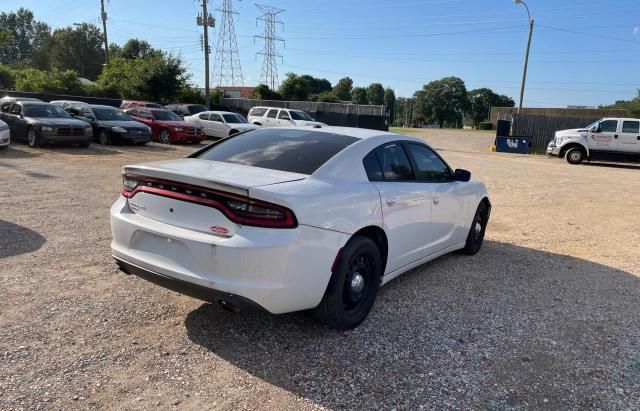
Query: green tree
[442, 101]
[375, 94]
[480, 102]
[316, 85]
[326, 97]
[26, 36]
[5, 38]
[76, 48]
[190, 95]
[158, 77]
[632, 105]
[294, 88]
[133, 49]
[53, 81]
[7, 78]
[359, 95]
[390, 102]
[343, 88]
[263, 92]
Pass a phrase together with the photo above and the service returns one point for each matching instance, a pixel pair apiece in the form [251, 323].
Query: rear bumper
[231, 301]
[280, 270]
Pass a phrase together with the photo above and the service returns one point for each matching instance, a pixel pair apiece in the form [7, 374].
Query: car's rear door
[629, 140]
[271, 118]
[448, 225]
[18, 123]
[406, 205]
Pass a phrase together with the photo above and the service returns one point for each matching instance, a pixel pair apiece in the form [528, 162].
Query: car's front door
[406, 207]
[629, 140]
[447, 227]
[604, 137]
[284, 119]
[218, 127]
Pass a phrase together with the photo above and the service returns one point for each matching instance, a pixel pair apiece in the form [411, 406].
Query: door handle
[638, 138]
[436, 200]
[615, 136]
[391, 202]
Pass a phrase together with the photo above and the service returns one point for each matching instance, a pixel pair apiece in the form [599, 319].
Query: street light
[526, 57]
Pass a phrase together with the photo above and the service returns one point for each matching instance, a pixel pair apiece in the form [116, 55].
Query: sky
[584, 52]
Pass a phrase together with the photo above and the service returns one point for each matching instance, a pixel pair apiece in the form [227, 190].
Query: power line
[228, 71]
[269, 75]
[582, 33]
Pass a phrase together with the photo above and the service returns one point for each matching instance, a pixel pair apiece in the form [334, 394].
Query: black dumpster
[503, 128]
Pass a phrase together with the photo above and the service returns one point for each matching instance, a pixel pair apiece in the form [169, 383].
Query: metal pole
[103, 15]
[205, 27]
[526, 56]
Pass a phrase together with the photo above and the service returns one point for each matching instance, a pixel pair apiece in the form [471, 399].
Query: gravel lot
[547, 315]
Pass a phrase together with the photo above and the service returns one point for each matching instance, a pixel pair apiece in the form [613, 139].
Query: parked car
[5, 135]
[40, 123]
[9, 99]
[609, 138]
[67, 104]
[167, 127]
[220, 124]
[111, 125]
[186, 109]
[288, 219]
[281, 117]
[128, 104]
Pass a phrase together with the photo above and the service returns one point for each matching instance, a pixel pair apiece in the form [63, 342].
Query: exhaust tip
[228, 306]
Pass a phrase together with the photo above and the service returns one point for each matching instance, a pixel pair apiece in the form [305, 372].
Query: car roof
[622, 118]
[218, 112]
[102, 106]
[32, 103]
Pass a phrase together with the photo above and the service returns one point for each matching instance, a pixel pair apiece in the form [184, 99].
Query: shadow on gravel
[626, 166]
[16, 240]
[92, 150]
[13, 152]
[511, 327]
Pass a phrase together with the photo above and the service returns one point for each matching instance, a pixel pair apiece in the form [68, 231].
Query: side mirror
[462, 175]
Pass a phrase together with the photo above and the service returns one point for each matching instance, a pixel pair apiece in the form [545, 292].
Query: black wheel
[476, 232]
[232, 132]
[32, 138]
[104, 137]
[353, 287]
[575, 155]
[257, 124]
[164, 136]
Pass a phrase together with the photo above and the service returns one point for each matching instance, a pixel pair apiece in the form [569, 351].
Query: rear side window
[631, 127]
[394, 163]
[296, 151]
[258, 112]
[273, 113]
[204, 116]
[609, 126]
[372, 167]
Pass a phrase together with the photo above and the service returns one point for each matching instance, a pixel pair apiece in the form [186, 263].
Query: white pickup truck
[607, 138]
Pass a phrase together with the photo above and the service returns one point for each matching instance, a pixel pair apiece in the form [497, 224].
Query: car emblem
[216, 229]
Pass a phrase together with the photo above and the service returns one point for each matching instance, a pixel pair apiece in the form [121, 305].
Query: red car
[167, 127]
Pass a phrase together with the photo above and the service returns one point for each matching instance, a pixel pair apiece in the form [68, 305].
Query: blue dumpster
[513, 144]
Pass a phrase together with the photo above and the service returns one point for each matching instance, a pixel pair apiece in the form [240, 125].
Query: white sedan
[288, 219]
[220, 124]
[5, 135]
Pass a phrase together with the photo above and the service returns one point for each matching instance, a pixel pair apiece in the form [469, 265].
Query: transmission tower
[269, 74]
[227, 70]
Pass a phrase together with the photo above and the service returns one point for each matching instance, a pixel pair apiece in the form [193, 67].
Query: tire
[257, 124]
[232, 132]
[477, 230]
[353, 286]
[575, 155]
[164, 136]
[32, 138]
[104, 137]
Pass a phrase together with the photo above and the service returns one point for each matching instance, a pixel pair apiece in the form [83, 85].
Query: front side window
[429, 167]
[234, 119]
[296, 151]
[631, 127]
[300, 115]
[196, 109]
[283, 115]
[609, 126]
[273, 113]
[394, 163]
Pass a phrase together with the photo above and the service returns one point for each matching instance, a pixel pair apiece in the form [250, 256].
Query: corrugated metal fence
[541, 129]
[333, 114]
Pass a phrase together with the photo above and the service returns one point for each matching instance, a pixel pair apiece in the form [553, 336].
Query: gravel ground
[547, 315]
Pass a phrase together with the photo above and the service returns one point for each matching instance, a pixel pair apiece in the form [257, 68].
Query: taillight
[239, 209]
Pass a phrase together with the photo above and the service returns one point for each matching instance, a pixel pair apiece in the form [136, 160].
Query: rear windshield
[296, 151]
[110, 114]
[196, 109]
[44, 110]
[165, 115]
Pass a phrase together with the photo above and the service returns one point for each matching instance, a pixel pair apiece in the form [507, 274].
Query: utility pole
[103, 15]
[206, 21]
[269, 75]
[526, 56]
